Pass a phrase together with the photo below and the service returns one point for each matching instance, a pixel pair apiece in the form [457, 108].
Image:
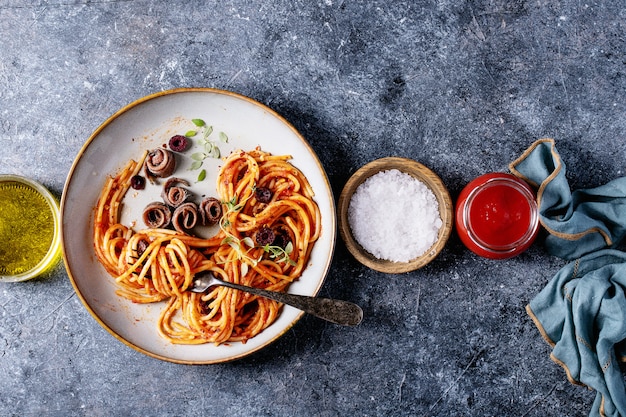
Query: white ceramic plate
[147, 124]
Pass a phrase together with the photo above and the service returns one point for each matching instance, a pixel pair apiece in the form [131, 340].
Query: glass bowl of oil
[29, 229]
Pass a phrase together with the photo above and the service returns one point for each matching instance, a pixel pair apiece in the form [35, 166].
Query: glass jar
[497, 216]
[29, 229]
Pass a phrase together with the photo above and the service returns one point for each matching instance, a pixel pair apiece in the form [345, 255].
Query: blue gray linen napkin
[579, 222]
[581, 313]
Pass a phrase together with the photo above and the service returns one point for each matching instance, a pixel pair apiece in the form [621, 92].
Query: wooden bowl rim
[416, 170]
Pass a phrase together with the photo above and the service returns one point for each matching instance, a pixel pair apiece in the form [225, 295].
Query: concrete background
[462, 87]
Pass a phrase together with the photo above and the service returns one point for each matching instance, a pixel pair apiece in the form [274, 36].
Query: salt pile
[394, 216]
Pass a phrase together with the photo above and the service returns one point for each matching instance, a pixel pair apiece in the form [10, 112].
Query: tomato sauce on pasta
[153, 265]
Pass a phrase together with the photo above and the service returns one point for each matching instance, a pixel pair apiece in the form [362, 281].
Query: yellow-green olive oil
[26, 228]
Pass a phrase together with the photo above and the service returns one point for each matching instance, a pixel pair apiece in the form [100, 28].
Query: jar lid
[497, 216]
[29, 229]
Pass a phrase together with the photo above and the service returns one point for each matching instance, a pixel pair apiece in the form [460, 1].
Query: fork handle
[334, 311]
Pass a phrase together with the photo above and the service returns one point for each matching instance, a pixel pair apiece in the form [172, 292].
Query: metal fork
[334, 311]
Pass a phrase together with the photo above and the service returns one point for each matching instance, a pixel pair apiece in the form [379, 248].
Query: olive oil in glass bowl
[29, 229]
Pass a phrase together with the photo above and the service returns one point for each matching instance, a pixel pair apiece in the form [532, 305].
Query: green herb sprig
[239, 245]
[280, 254]
[210, 148]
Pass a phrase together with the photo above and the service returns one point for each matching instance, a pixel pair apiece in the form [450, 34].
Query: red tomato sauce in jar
[497, 216]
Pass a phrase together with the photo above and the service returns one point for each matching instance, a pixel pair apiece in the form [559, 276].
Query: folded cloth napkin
[581, 313]
[578, 222]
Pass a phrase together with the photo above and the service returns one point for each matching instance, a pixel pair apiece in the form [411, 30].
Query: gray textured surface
[462, 87]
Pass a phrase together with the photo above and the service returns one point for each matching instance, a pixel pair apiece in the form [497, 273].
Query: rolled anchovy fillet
[172, 194]
[161, 162]
[157, 215]
[185, 217]
[210, 211]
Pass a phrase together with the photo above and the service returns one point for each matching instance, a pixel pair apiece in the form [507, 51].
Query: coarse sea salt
[394, 216]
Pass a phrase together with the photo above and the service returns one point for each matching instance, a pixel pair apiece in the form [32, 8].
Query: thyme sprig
[243, 246]
[239, 245]
[210, 148]
[280, 254]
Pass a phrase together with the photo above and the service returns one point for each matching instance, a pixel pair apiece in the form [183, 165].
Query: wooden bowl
[418, 171]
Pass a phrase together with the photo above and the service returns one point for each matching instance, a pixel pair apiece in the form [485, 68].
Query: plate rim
[130, 106]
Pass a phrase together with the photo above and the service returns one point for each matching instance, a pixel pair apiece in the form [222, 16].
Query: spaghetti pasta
[153, 265]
